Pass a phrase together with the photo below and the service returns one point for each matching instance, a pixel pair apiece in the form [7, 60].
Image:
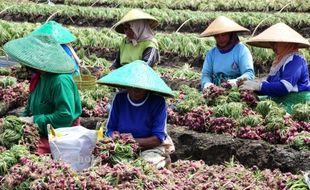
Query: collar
[137, 104]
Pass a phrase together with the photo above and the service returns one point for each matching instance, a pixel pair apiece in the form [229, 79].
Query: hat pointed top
[279, 32]
[53, 28]
[221, 25]
[135, 14]
[137, 74]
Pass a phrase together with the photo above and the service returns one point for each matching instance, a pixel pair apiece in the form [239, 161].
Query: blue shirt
[142, 120]
[290, 75]
[68, 51]
[236, 63]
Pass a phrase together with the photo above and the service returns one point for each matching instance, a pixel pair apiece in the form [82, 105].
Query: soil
[216, 149]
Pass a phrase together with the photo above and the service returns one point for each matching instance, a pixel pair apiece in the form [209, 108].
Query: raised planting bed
[216, 149]
[210, 5]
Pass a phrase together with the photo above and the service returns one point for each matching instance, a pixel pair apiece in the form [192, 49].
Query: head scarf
[284, 49]
[142, 30]
[234, 39]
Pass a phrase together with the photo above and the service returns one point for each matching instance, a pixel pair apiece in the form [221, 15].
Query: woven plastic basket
[85, 81]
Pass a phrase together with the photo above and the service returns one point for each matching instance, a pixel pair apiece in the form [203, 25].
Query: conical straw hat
[60, 33]
[135, 14]
[40, 52]
[137, 74]
[221, 25]
[279, 32]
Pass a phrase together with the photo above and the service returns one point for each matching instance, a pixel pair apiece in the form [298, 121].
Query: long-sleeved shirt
[290, 75]
[236, 63]
[146, 50]
[68, 51]
[145, 119]
[55, 100]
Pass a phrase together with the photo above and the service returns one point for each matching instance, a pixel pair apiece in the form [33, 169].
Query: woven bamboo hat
[279, 32]
[135, 14]
[60, 33]
[221, 25]
[40, 52]
[137, 74]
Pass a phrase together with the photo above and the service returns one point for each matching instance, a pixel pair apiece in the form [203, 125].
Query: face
[276, 47]
[136, 94]
[128, 31]
[222, 39]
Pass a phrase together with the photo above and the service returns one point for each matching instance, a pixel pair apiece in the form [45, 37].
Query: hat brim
[130, 86]
[222, 32]
[279, 32]
[137, 74]
[41, 52]
[119, 27]
[267, 44]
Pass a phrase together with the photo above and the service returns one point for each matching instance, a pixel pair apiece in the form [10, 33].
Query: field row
[175, 47]
[170, 20]
[178, 47]
[201, 5]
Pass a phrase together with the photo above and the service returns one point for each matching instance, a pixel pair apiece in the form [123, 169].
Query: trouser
[156, 156]
[160, 156]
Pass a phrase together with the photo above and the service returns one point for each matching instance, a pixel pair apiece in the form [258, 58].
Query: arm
[150, 56]
[67, 107]
[75, 56]
[117, 62]
[113, 119]
[159, 121]
[246, 64]
[207, 71]
[149, 142]
[287, 82]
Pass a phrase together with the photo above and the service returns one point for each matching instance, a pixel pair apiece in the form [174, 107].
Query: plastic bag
[74, 145]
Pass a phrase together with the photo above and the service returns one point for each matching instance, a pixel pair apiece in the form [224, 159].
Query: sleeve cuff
[40, 121]
[161, 137]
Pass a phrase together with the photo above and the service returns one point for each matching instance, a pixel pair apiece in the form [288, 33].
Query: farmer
[64, 37]
[288, 79]
[139, 42]
[54, 98]
[230, 60]
[140, 110]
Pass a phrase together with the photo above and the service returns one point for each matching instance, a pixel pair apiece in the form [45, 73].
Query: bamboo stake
[6, 9]
[267, 18]
[183, 24]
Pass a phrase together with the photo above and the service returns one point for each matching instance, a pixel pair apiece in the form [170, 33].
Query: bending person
[230, 60]
[141, 110]
[288, 80]
[54, 98]
[139, 42]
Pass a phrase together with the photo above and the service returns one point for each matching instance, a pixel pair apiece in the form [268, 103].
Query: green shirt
[55, 100]
[130, 53]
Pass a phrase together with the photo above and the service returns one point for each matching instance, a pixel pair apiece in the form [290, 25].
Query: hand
[206, 85]
[251, 85]
[28, 120]
[232, 82]
[128, 135]
[115, 134]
